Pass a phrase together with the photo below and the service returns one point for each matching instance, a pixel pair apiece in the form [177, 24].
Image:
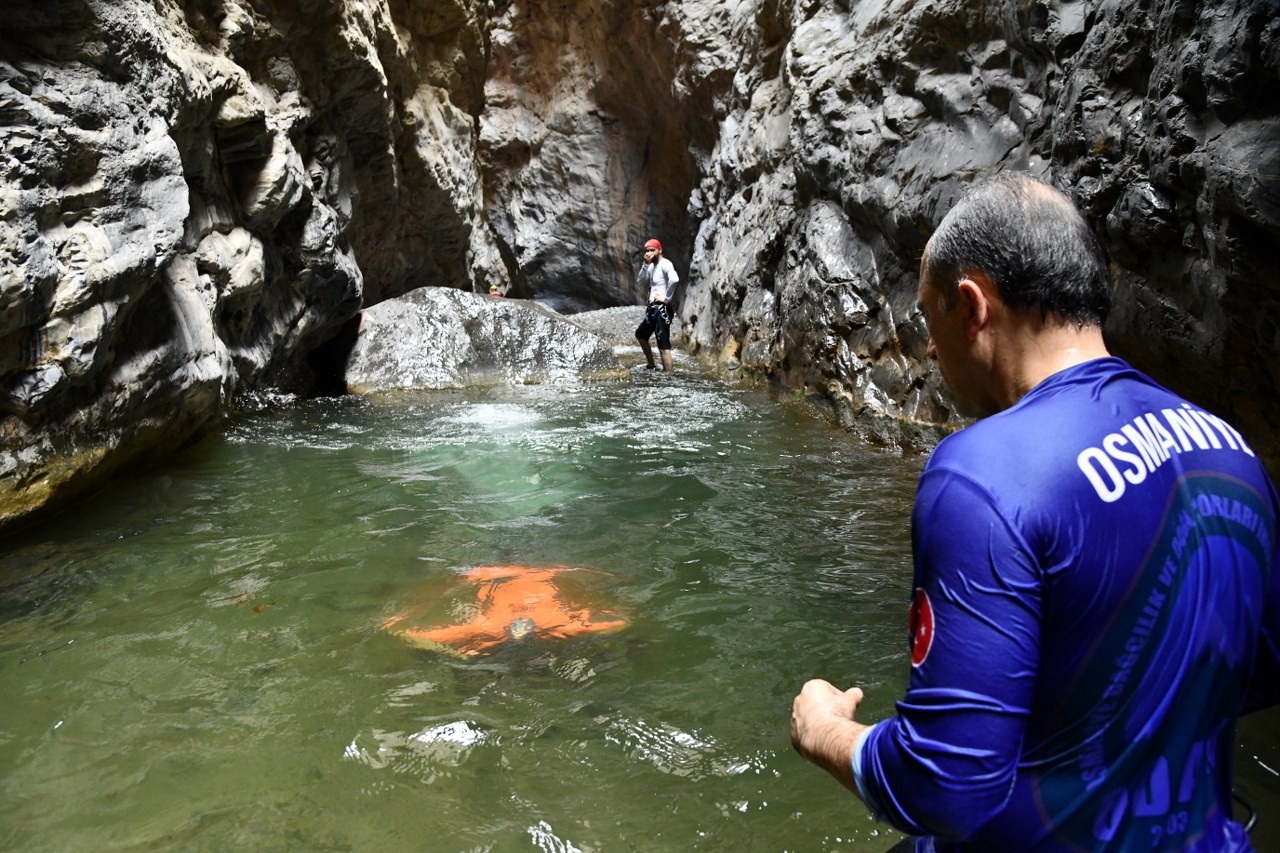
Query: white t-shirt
[660, 278]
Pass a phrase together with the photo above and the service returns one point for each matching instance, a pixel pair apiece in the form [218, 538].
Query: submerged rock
[434, 338]
[511, 604]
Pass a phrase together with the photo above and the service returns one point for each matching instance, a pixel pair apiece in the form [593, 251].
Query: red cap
[653, 244]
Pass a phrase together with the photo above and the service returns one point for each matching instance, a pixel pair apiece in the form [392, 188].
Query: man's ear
[973, 297]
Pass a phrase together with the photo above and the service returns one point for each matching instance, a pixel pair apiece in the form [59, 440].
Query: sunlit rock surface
[196, 197]
[615, 325]
[435, 338]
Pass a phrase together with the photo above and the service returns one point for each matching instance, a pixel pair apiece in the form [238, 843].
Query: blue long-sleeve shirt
[1096, 579]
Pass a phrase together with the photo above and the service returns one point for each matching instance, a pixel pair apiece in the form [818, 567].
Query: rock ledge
[438, 338]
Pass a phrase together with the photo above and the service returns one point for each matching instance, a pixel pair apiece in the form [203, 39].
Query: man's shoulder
[1104, 416]
[1042, 434]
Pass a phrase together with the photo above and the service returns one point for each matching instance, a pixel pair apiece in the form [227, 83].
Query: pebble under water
[195, 658]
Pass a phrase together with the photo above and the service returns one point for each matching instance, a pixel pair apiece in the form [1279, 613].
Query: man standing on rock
[1097, 582]
[658, 277]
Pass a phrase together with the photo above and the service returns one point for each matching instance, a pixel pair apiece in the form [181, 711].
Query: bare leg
[666, 359]
[648, 350]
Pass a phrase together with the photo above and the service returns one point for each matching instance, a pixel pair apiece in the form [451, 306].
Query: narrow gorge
[197, 199]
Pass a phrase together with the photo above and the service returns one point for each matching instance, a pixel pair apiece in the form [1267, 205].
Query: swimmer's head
[520, 628]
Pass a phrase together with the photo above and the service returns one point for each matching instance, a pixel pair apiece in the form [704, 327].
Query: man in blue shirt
[1097, 592]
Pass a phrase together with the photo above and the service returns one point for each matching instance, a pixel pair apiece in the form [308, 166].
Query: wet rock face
[436, 338]
[583, 150]
[196, 196]
[1160, 120]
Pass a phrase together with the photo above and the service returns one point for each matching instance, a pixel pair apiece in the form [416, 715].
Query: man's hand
[823, 729]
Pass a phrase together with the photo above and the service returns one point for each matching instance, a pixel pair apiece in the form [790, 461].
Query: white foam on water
[496, 416]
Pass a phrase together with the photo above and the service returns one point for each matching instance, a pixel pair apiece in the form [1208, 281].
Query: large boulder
[434, 338]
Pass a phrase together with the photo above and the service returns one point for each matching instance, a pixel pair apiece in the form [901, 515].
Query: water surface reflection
[195, 657]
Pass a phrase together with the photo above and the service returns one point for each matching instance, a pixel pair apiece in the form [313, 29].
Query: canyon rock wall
[856, 125]
[197, 197]
[582, 149]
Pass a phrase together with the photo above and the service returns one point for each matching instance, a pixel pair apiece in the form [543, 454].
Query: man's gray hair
[1031, 241]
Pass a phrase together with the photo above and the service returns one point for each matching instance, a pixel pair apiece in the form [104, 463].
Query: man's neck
[1039, 348]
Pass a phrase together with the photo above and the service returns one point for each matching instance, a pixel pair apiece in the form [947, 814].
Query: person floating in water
[512, 603]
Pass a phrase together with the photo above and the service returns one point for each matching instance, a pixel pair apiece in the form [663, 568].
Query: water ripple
[196, 655]
[674, 751]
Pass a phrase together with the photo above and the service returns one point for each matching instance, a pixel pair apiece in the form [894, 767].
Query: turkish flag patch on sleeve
[921, 624]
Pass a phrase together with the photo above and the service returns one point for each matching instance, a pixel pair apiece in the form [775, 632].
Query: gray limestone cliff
[197, 198]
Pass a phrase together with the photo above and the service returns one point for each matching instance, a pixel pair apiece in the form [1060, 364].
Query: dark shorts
[657, 320]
